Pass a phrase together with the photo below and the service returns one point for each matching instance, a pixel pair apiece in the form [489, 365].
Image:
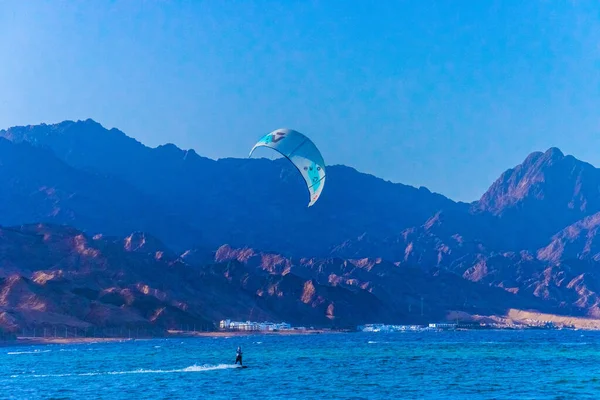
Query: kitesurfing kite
[303, 153]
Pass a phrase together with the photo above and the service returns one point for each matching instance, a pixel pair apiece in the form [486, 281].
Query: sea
[503, 364]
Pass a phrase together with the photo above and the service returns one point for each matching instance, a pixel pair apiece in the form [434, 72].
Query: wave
[28, 352]
[192, 368]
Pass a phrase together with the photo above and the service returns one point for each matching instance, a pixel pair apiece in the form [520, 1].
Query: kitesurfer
[238, 355]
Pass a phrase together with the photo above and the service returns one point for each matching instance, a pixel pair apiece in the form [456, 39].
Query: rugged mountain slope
[544, 194]
[403, 288]
[57, 276]
[54, 275]
[572, 284]
[262, 204]
[243, 202]
[439, 241]
[35, 186]
[579, 240]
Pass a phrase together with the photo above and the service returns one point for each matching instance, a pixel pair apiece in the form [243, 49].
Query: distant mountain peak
[554, 152]
[168, 146]
[538, 169]
[546, 192]
[538, 160]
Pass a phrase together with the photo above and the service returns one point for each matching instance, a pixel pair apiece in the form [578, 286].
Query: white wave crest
[29, 352]
[192, 368]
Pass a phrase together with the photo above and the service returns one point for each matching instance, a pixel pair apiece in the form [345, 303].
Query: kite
[301, 152]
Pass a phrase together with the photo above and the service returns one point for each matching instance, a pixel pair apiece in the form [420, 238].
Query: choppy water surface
[480, 365]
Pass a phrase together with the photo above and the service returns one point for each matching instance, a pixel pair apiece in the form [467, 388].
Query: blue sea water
[427, 365]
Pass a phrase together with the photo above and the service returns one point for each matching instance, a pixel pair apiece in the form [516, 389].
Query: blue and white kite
[303, 153]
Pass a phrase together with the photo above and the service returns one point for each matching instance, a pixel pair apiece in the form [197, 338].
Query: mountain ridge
[185, 187]
[529, 241]
[53, 275]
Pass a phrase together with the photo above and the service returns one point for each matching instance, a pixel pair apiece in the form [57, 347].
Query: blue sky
[444, 94]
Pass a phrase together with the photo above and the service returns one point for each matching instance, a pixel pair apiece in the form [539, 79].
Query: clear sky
[442, 94]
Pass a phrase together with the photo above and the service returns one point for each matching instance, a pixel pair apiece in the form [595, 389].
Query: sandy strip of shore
[528, 319]
[26, 341]
[248, 333]
[47, 340]
[31, 341]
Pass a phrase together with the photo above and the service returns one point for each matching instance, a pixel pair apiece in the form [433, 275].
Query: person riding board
[238, 355]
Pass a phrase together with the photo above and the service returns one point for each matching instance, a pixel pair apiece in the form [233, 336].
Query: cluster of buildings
[443, 326]
[389, 328]
[406, 328]
[230, 325]
[544, 324]
[447, 326]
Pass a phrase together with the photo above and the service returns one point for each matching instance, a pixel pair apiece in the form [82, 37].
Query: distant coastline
[289, 332]
[513, 320]
[171, 334]
[31, 341]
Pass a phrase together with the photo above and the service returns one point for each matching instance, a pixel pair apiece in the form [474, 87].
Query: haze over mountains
[367, 251]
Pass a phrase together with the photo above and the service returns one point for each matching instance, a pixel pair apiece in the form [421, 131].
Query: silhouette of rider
[238, 355]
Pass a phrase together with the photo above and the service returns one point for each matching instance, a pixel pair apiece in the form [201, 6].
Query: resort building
[228, 324]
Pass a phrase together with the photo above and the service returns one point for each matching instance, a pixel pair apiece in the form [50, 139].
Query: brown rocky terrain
[57, 276]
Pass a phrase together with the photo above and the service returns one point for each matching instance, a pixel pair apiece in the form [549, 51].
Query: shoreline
[32, 341]
[171, 334]
[589, 325]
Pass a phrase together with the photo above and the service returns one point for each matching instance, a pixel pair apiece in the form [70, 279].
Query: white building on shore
[389, 328]
[228, 324]
[443, 325]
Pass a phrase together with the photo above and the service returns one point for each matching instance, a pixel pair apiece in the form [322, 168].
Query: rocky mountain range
[234, 238]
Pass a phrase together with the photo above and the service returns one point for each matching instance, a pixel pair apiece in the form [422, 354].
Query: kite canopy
[303, 153]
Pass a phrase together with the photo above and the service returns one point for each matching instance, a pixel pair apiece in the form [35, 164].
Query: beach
[250, 333]
[28, 340]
